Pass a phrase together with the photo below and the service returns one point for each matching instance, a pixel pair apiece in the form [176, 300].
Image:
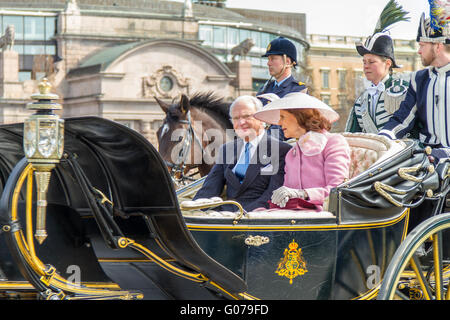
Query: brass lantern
[43, 144]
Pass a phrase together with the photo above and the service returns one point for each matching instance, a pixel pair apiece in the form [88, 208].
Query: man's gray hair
[249, 101]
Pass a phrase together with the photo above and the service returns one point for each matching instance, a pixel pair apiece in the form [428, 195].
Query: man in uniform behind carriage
[282, 57]
[428, 96]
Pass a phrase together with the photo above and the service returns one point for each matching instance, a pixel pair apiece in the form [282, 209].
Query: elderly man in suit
[250, 167]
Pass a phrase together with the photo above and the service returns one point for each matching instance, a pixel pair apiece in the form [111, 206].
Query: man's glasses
[243, 117]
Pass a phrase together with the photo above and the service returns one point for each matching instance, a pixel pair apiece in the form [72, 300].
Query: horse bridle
[180, 164]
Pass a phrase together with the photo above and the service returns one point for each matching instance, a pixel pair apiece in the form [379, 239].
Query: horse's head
[191, 130]
[173, 135]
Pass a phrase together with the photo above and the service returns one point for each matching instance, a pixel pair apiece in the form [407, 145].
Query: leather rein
[179, 166]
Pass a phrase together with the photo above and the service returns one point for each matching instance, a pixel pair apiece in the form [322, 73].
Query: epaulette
[394, 95]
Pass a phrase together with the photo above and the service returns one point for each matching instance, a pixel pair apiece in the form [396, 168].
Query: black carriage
[118, 229]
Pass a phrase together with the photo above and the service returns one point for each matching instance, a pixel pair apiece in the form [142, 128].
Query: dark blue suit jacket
[264, 174]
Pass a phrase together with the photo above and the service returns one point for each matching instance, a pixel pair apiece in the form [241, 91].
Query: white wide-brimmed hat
[295, 100]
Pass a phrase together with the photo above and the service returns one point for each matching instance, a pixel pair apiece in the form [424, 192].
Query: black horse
[192, 131]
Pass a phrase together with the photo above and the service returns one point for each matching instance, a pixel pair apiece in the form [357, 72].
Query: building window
[342, 76]
[325, 98]
[219, 37]
[256, 36]
[342, 101]
[358, 74]
[325, 79]
[244, 35]
[24, 75]
[205, 34]
[34, 28]
[34, 49]
[232, 37]
[50, 28]
[359, 81]
[265, 40]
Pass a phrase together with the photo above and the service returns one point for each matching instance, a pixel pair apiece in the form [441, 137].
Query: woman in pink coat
[319, 160]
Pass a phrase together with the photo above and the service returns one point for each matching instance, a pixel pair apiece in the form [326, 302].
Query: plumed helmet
[436, 28]
[380, 44]
[280, 46]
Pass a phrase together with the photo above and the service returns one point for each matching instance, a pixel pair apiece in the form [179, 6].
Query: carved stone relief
[166, 83]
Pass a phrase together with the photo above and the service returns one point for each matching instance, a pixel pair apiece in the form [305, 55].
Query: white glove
[282, 195]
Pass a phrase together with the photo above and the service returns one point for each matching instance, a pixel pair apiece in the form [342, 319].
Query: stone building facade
[111, 58]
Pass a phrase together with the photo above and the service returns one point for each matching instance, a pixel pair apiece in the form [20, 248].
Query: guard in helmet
[282, 57]
[427, 101]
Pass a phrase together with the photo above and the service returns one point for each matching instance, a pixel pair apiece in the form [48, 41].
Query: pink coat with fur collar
[319, 173]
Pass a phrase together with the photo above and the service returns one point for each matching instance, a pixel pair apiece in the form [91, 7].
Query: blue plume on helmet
[436, 28]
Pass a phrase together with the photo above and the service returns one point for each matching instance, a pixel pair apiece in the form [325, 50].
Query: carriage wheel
[420, 268]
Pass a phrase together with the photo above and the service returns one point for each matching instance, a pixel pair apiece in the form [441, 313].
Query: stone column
[243, 83]
[147, 131]
[10, 87]
[69, 25]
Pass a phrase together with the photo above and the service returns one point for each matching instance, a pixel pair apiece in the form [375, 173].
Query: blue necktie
[241, 168]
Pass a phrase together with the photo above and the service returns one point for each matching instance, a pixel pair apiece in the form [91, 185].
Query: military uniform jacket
[289, 85]
[366, 118]
[426, 102]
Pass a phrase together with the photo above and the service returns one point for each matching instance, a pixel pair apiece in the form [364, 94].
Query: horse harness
[179, 166]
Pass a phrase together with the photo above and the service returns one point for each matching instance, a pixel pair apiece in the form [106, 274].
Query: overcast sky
[343, 17]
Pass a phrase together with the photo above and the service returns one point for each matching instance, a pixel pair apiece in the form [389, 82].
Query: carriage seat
[267, 214]
[368, 149]
[191, 210]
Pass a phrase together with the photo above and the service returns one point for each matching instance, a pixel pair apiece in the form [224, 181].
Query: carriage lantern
[43, 143]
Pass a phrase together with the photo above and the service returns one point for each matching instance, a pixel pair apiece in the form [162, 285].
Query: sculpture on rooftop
[242, 49]
[188, 12]
[7, 40]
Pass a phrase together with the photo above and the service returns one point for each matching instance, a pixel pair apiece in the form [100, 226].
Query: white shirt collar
[257, 139]
[369, 83]
[443, 69]
[253, 143]
[279, 83]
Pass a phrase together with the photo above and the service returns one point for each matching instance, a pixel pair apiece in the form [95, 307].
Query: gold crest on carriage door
[292, 263]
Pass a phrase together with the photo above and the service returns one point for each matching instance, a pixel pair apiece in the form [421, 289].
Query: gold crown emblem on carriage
[292, 264]
[293, 245]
